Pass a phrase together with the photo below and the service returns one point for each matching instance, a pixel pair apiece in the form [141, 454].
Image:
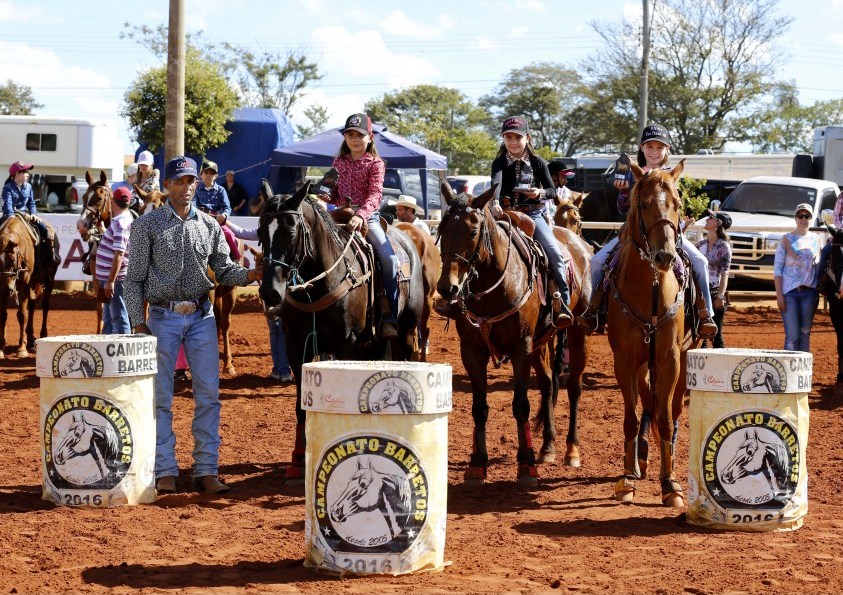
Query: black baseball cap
[362, 123]
[724, 218]
[657, 133]
[516, 124]
[180, 166]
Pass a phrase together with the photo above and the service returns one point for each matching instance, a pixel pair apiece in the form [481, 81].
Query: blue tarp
[320, 150]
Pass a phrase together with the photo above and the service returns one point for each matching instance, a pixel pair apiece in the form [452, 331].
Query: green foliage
[440, 119]
[209, 104]
[17, 100]
[318, 116]
[694, 199]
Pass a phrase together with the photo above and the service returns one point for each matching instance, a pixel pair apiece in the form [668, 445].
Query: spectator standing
[172, 248]
[360, 172]
[112, 263]
[131, 178]
[236, 195]
[407, 210]
[523, 177]
[717, 249]
[213, 199]
[795, 271]
[277, 339]
[148, 179]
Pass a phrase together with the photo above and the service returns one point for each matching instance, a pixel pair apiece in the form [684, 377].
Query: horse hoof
[642, 467]
[572, 456]
[22, 353]
[528, 475]
[573, 462]
[229, 370]
[547, 457]
[625, 490]
[673, 501]
[294, 475]
[528, 481]
[625, 497]
[474, 476]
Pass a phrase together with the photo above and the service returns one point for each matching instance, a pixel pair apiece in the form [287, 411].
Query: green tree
[17, 100]
[694, 198]
[209, 104]
[441, 119]
[546, 93]
[711, 64]
[318, 116]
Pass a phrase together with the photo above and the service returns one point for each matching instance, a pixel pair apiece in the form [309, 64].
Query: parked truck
[62, 150]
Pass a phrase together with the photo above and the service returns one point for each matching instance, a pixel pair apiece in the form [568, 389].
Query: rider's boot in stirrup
[588, 319]
[562, 316]
[707, 328]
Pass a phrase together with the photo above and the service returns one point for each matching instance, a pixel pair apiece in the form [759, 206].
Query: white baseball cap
[145, 158]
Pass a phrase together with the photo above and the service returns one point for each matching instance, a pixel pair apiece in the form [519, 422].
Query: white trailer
[62, 150]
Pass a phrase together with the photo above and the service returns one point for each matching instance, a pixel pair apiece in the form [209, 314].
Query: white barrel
[97, 419]
[376, 477]
[748, 439]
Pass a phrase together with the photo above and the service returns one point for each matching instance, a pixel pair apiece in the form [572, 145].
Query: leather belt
[804, 287]
[529, 208]
[182, 307]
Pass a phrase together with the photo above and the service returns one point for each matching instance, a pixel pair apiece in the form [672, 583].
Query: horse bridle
[303, 248]
[646, 251]
[471, 263]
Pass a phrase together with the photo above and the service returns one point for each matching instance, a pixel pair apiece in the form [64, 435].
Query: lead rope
[294, 276]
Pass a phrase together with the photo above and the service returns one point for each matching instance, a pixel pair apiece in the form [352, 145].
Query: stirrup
[388, 328]
[588, 320]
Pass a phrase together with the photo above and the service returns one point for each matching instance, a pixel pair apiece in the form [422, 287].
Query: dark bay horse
[23, 270]
[321, 282]
[504, 312]
[429, 256]
[831, 286]
[648, 332]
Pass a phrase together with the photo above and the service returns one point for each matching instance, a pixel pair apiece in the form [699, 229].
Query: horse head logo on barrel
[83, 439]
[754, 456]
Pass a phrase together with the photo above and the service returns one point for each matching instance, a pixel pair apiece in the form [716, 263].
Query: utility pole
[174, 126]
[643, 88]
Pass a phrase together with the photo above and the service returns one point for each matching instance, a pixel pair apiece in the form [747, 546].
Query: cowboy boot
[707, 328]
[588, 320]
[562, 316]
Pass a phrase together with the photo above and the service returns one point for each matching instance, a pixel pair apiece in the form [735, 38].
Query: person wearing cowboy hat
[407, 210]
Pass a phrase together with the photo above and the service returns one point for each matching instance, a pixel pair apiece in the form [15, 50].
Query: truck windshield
[768, 199]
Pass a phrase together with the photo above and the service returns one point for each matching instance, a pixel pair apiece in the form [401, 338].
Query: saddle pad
[679, 268]
[404, 271]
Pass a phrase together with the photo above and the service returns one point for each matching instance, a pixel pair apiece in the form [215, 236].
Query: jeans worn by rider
[22, 199]
[214, 200]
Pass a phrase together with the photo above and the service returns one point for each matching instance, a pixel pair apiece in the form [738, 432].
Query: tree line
[712, 80]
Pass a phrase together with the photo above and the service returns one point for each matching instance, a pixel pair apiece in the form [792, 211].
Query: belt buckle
[184, 308]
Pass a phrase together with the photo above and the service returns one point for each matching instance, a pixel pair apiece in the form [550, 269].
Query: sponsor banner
[385, 388]
[72, 248]
[96, 356]
[747, 469]
[97, 441]
[748, 371]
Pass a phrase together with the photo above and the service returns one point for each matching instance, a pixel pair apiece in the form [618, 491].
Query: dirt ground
[567, 535]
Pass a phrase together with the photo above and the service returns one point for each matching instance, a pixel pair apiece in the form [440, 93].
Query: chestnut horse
[315, 277]
[503, 312]
[648, 331]
[568, 212]
[429, 255]
[96, 209]
[23, 276]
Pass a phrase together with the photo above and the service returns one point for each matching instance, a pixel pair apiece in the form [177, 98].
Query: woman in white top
[795, 275]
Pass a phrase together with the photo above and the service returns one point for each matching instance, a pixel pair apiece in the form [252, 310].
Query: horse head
[746, 460]
[76, 441]
[96, 201]
[654, 210]
[568, 213]
[151, 199]
[362, 493]
[284, 238]
[465, 235]
[17, 253]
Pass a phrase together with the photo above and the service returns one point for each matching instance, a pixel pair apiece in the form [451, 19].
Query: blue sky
[71, 55]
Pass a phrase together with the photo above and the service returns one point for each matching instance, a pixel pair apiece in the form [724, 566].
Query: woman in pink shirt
[360, 185]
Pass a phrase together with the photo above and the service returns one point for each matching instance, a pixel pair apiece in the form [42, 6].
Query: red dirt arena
[566, 536]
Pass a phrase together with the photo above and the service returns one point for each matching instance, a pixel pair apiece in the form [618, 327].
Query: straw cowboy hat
[410, 202]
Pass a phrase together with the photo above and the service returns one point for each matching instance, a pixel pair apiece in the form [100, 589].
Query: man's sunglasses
[803, 216]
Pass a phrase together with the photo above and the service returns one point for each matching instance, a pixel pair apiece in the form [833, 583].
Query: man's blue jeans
[115, 316]
[198, 332]
[278, 348]
[800, 306]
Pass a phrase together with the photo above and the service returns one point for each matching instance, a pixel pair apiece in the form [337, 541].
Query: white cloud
[397, 23]
[836, 39]
[485, 42]
[446, 21]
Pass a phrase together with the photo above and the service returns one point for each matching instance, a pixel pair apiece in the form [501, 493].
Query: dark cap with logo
[359, 122]
[208, 164]
[516, 124]
[724, 218]
[180, 166]
[656, 133]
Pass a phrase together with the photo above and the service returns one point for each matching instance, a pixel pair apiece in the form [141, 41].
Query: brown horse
[648, 331]
[429, 256]
[568, 212]
[504, 312]
[96, 216]
[24, 278]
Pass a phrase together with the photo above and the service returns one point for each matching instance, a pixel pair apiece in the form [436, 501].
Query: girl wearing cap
[148, 179]
[523, 177]
[795, 275]
[717, 249]
[653, 152]
[360, 172]
[18, 197]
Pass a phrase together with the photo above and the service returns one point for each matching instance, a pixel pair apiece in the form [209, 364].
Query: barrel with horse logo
[748, 422]
[376, 477]
[97, 419]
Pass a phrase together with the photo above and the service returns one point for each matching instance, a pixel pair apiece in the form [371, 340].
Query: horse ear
[294, 202]
[447, 192]
[88, 178]
[266, 189]
[579, 200]
[481, 201]
[677, 171]
[144, 195]
[637, 172]
[103, 178]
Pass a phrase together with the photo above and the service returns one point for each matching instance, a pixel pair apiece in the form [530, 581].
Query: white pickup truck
[766, 206]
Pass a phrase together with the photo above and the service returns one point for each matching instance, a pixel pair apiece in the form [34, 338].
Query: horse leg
[475, 361]
[666, 381]
[578, 355]
[625, 487]
[424, 327]
[31, 305]
[45, 302]
[543, 364]
[23, 323]
[294, 473]
[4, 316]
[528, 473]
[223, 306]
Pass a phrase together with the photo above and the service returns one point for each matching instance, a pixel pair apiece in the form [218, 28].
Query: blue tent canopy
[320, 150]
